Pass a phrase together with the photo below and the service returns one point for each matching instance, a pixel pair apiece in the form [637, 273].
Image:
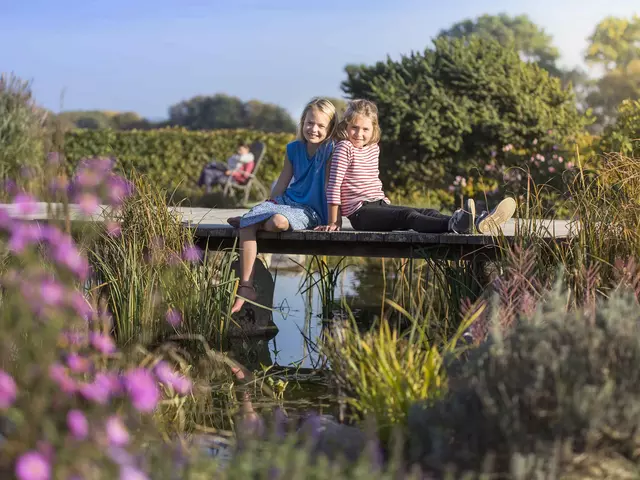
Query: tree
[528, 39]
[340, 104]
[615, 43]
[614, 46]
[458, 105]
[222, 111]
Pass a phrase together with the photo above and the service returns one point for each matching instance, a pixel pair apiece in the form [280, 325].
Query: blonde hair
[322, 105]
[360, 108]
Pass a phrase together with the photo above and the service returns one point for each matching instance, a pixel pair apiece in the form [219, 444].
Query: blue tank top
[308, 186]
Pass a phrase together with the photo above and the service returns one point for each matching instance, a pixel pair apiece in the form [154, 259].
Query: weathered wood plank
[211, 230]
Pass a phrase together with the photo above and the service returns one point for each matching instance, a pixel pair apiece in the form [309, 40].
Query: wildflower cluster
[64, 384]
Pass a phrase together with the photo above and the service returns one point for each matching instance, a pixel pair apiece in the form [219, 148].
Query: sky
[144, 56]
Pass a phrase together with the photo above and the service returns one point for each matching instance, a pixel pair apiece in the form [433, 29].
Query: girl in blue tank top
[301, 205]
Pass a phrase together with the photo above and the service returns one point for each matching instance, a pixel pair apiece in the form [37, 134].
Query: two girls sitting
[342, 178]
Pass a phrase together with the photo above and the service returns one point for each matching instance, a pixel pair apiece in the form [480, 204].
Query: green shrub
[557, 385]
[624, 135]
[172, 157]
[457, 107]
[21, 135]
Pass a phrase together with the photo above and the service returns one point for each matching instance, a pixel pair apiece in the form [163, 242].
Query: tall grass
[384, 371]
[145, 273]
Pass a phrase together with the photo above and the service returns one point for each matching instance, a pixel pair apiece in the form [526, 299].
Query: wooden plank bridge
[211, 231]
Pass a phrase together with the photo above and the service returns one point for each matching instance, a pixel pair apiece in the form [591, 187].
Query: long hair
[322, 105]
[360, 108]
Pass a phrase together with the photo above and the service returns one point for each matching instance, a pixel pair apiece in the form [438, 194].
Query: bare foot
[234, 222]
[246, 291]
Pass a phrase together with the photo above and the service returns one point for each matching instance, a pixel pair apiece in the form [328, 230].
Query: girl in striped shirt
[355, 188]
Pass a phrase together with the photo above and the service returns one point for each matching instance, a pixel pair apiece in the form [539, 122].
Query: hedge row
[173, 157]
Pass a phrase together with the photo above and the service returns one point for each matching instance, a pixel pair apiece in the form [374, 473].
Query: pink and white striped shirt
[354, 177]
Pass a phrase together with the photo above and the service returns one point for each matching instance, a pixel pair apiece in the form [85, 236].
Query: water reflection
[299, 317]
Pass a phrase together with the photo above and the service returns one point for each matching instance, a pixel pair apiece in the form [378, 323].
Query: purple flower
[5, 219]
[33, 466]
[7, 390]
[58, 373]
[117, 433]
[128, 472]
[103, 342]
[170, 377]
[192, 254]
[23, 235]
[80, 304]
[25, 203]
[88, 203]
[78, 424]
[110, 381]
[174, 318]
[142, 388]
[51, 292]
[67, 254]
[78, 364]
[118, 189]
[98, 392]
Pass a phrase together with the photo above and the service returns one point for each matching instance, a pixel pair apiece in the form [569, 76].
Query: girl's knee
[277, 223]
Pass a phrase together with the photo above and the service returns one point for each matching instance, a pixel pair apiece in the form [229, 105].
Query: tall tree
[529, 40]
[614, 46]
[615, 43]
[223, 111]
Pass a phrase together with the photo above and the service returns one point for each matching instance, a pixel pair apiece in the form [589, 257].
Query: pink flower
[67, 254]
[78, 424]
[142, 389]
[59, 374]
[80, 304]
[118, 190]
[113, 229]
[51, 292]
[174, 318]
[103, 342]
[192, 254]
[116, 431]
[98, 392]
[88, 203]
[33, 466]
[7, 390]
[25, 203]
[552, 169]
[78, 364]
[169, 377]
[127, 472]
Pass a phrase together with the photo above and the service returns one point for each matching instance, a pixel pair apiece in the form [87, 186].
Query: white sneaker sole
[492, 223]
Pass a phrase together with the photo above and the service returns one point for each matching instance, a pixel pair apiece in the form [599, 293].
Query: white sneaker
[490, 223]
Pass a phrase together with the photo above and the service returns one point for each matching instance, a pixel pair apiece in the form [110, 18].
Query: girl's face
[316, 126]
[360, 131]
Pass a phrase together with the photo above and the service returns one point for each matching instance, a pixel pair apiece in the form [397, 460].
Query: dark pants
[213, 174]
[382, 217]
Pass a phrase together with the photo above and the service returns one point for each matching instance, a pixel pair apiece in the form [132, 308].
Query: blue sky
[143, 56]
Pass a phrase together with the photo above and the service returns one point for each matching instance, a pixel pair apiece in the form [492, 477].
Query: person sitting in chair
[238, 168]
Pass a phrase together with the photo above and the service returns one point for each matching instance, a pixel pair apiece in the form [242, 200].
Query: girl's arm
[340, 162]
[283, 180]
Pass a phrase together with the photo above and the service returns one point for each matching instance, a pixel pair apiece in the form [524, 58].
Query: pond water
[298, 316]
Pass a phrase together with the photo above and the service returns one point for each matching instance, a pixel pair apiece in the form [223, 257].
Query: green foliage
[21, 135]
[225, 112]
[383, 372]
[558, 385]
[97, 119]
[615, 42]
[624, 136]
[172, 157]
[518, 32]
[141, 274]
[455, 107]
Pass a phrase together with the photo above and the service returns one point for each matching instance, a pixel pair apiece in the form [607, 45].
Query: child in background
[239, 166]
[300, 205]
[355, 187]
